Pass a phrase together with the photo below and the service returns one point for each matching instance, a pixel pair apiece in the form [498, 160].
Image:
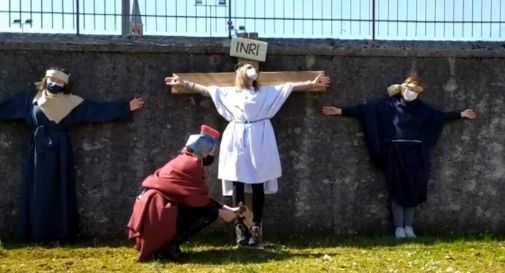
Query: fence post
[373, 19]
[77, 18]
[230, 24]
[125, 17]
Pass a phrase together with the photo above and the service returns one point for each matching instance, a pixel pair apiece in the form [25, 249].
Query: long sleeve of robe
[248, 151]
[91, 111]
[47, 209]
[398, 136]
[14, 108]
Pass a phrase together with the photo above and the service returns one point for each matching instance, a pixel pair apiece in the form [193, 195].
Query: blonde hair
[241, 77]
[415, 80]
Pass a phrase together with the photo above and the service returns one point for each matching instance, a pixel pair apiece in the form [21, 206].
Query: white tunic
[248, 151]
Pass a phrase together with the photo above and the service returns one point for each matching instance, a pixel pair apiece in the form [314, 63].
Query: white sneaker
[409, 232]
[400, 233]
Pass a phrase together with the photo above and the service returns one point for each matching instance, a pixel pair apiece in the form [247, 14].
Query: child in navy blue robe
[48, 210]
[399, 130]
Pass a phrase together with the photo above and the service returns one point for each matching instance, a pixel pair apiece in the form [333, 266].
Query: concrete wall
[329, 183]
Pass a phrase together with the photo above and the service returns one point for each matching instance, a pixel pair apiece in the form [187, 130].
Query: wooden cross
[224, 79]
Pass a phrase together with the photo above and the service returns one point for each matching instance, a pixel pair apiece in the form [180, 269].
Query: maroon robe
[153, 222]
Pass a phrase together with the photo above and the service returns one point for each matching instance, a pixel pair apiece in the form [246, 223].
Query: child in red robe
[176, 203]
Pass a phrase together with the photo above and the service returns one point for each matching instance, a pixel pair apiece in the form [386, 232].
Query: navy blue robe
[399, 135]
[48, 209]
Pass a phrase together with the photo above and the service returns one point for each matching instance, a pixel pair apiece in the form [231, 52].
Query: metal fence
[340, 19]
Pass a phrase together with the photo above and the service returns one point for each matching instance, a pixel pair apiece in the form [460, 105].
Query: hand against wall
[136, 104]
[331, 111]
[469, 114]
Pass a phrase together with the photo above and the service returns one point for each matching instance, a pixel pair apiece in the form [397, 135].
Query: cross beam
[264, 78]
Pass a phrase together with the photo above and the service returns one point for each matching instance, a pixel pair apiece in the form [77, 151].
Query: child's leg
[398, 214]
[408, 216]
[191, 220]
[241, 232]
[398, 219]
[409, 221]
[238, 193]
[258, 200]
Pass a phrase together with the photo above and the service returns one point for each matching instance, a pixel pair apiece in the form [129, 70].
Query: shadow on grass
[358, 241]
[242, 256]
[286, 248]
[211, 251]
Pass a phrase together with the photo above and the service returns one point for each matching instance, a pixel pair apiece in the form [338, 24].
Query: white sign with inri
[248, 49]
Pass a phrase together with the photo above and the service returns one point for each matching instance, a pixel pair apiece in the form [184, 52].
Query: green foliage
[291, 254]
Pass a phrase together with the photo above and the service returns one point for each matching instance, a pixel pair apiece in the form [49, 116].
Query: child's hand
[468, 113]
[174, 81]
[331, 111]
[136, 104]
[227, 216]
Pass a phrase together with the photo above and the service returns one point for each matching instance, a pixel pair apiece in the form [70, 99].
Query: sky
[339, 19]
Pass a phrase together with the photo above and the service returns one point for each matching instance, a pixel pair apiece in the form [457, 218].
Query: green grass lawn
[301, 254]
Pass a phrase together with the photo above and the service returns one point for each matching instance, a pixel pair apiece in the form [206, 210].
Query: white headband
[57, 74]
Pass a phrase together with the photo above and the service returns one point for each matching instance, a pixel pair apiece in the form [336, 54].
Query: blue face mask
[53, 88]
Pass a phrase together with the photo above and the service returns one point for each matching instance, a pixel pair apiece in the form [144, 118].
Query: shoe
[409, 232]
[171, 252]
[256, 235]
[400, 233]
[242, 234]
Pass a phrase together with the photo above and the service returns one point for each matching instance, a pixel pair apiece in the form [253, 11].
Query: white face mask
[251, 74]
[409, 95]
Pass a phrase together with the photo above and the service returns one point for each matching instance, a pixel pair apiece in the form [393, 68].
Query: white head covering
[394, 89]
[58, 74]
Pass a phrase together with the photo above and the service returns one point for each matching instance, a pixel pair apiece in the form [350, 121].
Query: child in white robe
[249, 156]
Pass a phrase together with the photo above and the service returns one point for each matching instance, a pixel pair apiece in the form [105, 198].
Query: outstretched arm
[91, 111]
[14, 108]
[467, 113]
[320, 81]
[352, 111]
[176, 81]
